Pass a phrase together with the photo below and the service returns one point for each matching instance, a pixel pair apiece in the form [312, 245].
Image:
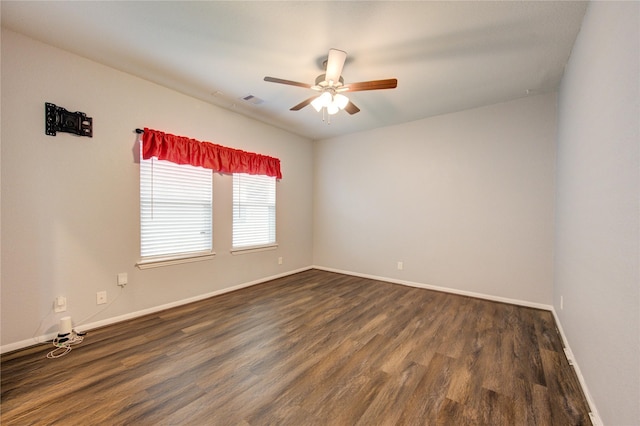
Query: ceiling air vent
[252, 99]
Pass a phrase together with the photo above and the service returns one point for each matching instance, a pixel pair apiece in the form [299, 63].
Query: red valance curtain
[182, 150]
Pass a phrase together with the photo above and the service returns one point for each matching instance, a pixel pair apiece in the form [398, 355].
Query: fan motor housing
[321, 79]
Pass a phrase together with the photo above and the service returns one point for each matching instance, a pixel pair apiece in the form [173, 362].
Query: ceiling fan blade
[289, 82]
[390, 83]
[335, 62]
[302, 104]
[351, 108]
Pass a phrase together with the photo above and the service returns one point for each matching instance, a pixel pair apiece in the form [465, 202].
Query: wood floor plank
[386, 407]
[314, 348]
[426, 402]
[561, 383]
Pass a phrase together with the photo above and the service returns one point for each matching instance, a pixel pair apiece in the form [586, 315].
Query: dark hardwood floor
[315, 348]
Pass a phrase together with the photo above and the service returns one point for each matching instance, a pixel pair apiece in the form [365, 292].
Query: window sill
[253, 249]
[156, 262]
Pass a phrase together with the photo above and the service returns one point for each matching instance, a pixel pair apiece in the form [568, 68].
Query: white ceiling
[447, 56]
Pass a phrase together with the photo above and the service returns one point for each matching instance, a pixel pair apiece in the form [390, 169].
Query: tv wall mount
[58, 119]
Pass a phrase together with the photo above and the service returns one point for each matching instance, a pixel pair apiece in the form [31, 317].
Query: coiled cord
[63, 343]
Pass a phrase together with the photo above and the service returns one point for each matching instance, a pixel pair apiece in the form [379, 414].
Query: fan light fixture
[333, 102]
[330, 85]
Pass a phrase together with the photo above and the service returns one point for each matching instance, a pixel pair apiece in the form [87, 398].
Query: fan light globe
[326, 99]
[332, 109]
[317, 103]
[340, 100]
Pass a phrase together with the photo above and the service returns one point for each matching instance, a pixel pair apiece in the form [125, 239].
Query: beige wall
[464, 200]
[70, 205]
[598, 210]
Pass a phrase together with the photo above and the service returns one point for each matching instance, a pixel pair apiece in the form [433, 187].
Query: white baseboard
[47, 337]
[10, 347]
[518, 302]
[595, 416]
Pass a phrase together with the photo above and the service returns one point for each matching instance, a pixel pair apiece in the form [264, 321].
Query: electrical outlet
[400, 266]
[60, 304]
[123, 279]
[280, 260]
[561, 302]
[101, 298]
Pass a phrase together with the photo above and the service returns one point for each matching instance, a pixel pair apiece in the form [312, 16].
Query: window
[175, 211]
[254, 211]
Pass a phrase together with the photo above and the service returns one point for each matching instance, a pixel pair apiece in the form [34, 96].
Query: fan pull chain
[324, 112]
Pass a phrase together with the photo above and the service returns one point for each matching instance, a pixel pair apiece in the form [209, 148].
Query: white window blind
[254, 210]
[175, 209]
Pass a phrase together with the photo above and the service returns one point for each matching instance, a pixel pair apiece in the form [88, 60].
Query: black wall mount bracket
[58, 119]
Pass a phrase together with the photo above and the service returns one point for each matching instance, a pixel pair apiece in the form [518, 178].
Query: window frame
[270, 245]
[152, 261]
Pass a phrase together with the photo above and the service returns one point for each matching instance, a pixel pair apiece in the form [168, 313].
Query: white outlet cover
[60, 304]
[123, 279]
[101, 298]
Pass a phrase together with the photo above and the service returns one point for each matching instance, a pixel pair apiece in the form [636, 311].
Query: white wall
[464, 200]
[70, 205]
[597, 255]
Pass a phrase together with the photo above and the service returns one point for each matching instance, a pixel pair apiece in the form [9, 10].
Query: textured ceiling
[447, 56]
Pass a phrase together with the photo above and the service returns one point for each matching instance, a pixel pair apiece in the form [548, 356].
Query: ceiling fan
[331, 87]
